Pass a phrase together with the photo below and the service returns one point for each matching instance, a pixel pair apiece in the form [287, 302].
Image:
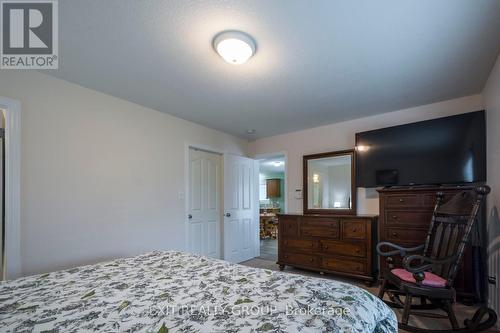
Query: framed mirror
[329, 186]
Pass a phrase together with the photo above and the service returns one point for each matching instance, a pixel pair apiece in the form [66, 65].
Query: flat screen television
[443, 151]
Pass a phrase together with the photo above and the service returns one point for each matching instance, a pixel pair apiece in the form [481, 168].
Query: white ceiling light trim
[235, 47]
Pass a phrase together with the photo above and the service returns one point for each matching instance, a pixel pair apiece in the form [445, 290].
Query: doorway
[222, 205]
[272, 201]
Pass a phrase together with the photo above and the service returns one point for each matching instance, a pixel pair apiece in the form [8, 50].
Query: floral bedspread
[180, 292]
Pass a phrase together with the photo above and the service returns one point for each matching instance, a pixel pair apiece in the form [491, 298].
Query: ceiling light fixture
[235, 47]
[250, 131]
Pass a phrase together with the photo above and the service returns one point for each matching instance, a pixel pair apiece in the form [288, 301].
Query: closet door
[204, 203]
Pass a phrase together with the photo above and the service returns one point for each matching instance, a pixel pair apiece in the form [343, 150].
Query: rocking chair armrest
[399, 250]
[426, 263]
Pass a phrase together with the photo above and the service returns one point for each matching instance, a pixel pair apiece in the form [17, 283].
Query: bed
[179, 292]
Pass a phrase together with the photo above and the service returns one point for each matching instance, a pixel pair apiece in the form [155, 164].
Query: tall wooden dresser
[343, 245]
[405, 216]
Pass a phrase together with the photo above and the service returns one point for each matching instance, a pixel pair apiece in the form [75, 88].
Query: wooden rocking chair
[429, 270]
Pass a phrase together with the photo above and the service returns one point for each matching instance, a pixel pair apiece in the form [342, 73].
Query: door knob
[190, 216]
[228, 214]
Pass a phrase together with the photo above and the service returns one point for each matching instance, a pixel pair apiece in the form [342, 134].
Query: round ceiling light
[234, 47]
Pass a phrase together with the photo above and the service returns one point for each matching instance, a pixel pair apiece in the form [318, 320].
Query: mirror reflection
[329, 182]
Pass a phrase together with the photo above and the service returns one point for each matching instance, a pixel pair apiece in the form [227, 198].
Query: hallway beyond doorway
[272, 200]
[269, 249]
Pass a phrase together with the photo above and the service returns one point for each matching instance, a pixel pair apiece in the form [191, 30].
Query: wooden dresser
[343, 245]
[405, 215]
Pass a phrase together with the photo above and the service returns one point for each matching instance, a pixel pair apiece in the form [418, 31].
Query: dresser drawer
[429, 199]
[300, 259]
[289, 226]
[343, 265]
[416, 219]
[299, 244]
[354, 229]
[319, 232]
[319, 222]
[405, 235]
[356, 249]
[403, 200]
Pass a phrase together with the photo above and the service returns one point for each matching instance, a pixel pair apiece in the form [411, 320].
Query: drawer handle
[286, 256]
[354, 230]
[325, 247]
[311, 260]
[395, 217]
[394, 234]
[401, 200]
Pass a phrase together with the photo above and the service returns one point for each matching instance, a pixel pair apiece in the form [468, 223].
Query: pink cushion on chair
[431, 280]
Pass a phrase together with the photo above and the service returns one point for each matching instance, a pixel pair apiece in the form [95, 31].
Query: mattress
[179, 292]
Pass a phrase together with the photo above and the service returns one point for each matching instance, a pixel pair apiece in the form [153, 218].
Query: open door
[241, 208]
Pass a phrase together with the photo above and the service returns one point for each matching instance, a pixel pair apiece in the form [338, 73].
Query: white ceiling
[317, 62]
[268, 165]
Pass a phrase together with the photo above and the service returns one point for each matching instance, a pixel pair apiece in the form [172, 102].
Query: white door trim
[282, 153]
[187, 146]
[12, 112]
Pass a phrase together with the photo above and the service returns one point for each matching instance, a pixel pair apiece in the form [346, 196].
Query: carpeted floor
[462, 311]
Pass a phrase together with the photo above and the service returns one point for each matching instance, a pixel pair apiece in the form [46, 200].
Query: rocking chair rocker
[429, 276]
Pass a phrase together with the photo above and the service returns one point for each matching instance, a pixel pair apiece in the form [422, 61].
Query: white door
[204, 203]
[241, 208]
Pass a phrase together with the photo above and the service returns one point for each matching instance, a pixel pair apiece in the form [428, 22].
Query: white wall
[491, 94]
[340, 136]
[100, 176]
